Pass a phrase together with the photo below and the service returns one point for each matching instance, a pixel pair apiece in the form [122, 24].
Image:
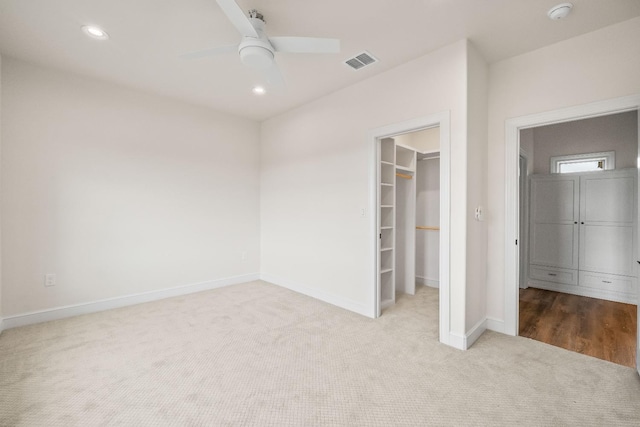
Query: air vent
[361, 60]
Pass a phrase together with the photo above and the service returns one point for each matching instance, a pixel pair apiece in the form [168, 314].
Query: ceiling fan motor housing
[256, 52]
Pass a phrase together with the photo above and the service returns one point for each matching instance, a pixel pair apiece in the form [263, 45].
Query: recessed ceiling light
[95, 32]
[559, 11]
[258, 90]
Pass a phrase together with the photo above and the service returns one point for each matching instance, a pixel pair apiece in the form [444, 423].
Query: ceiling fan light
[256, 57]
[258, 90]
[95, 32]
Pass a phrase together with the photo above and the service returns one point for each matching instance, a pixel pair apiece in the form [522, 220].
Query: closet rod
[424, 227]
[403, 175]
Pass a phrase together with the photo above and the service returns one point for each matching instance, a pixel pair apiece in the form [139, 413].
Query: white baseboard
[585, 292]
[455, 340]
[117, 302]
[338, 301]
[474, 333]
[432, 283]
[464, 342]
[495, 325]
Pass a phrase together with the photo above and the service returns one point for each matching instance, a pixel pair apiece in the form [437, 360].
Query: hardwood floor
[598, 328]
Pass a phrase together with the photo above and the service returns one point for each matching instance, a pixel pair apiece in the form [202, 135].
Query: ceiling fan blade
[210, 52]
[274, 76]
[238, 18]
[305, 45]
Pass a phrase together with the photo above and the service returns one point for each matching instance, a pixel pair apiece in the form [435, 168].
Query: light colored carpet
[256, 354]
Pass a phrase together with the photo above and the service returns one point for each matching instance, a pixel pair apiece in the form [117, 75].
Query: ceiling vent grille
[361, 60]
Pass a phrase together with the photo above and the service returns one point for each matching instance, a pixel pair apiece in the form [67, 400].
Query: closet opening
[409, 213]
[574, 282]
[401, 253]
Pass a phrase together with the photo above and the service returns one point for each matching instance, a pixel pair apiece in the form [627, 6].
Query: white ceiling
[147, 36]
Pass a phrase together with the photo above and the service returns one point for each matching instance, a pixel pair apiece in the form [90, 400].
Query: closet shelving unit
[396, 265]
[386, 221]
[405, 159]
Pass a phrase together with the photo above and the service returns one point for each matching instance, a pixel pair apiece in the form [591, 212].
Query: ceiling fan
[256, 50]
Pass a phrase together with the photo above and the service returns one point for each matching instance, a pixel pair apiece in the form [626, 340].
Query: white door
[554, 221]
[607, 223]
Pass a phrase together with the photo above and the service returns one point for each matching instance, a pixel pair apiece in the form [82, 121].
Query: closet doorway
[583, 230]
[579, 280]
[412, 212]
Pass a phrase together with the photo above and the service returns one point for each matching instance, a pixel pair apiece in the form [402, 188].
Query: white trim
[123, 301]
[465, 342]
[523, 241]
[442, 120]
[637, 236]
[425, 281]
[495, 325]
[609, 158]
[457, 341]
[474, 333]
[512, 155]
[585, 292]
[338, 301]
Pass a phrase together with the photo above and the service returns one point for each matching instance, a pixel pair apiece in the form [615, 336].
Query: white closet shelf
[386, 228]
[405, 168]
[386, 184]
[386, 163]
[386, 249]
[386, 206]
[388, 270]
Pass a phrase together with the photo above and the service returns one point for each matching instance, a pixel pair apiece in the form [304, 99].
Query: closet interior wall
[428, 218]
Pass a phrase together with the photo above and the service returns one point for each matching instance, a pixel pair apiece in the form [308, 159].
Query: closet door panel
[555, 200]
[554, 245]
[607, 249]
[607, 199]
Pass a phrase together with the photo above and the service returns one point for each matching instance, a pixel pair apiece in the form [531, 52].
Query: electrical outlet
[50, 279]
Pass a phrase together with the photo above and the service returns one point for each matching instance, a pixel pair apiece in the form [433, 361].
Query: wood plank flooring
[598, 328]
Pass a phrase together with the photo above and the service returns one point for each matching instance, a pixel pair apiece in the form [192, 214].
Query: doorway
[512, 226]
[376, 136]
[573, 293]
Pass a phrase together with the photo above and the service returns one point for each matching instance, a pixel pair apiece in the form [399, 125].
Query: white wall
[596, 66]
[118, 192]
[616, 132]
[423, 141]
[315, 172]
[526, 145]
[476, 164]
[428, 214]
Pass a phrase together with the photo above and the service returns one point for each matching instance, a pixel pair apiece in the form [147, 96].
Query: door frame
[512, 159]
[524, 240]
[441, 119]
